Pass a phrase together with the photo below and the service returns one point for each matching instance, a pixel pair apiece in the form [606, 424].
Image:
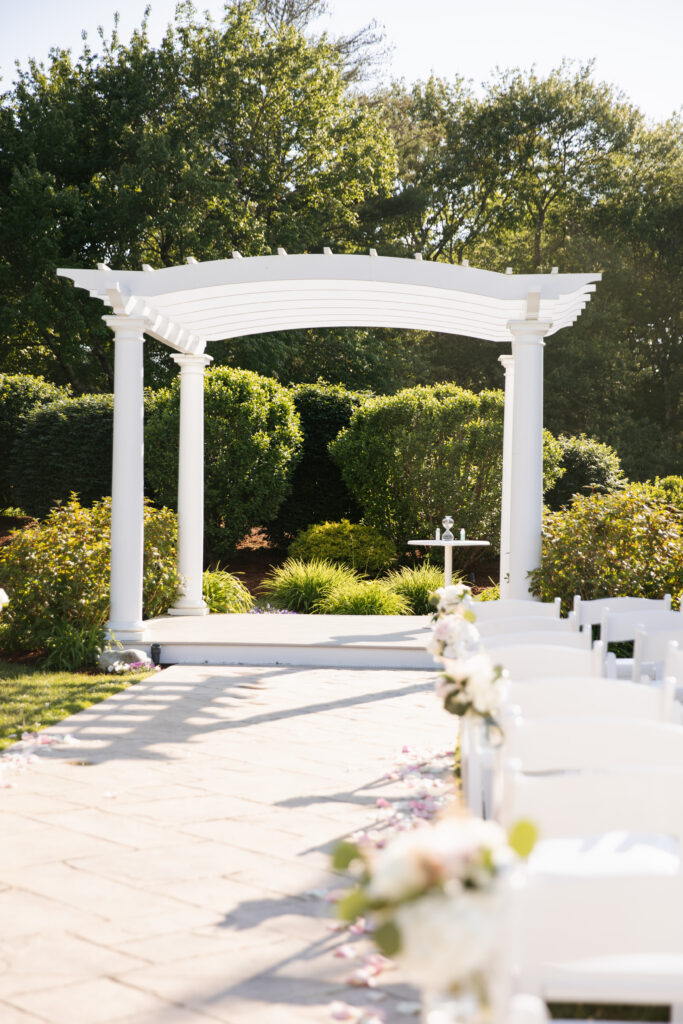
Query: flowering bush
[435, 897]
[118, 668]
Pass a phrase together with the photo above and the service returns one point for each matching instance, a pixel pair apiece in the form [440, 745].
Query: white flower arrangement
[435, 897]
[453, 635]
[457, 596]
[473, 686]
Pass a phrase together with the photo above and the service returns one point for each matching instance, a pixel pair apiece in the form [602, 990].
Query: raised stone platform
[348, 641]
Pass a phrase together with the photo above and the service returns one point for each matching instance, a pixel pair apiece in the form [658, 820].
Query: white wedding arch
[187, 307]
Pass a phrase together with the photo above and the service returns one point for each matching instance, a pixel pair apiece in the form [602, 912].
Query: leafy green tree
[229, 136]
[587, 466]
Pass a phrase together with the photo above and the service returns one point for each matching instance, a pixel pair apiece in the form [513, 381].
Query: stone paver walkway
[162, 867]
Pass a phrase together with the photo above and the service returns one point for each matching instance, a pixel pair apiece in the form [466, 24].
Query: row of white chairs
[597, 763]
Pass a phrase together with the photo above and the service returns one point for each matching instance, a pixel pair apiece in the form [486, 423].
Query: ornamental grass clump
[362, 598]
[415, 585]
[56, 573]
[625, 544]
[297, 586]
[224, 593]
[353, 544]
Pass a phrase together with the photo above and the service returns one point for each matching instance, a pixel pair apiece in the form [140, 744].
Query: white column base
[189, 608]
[128, 633]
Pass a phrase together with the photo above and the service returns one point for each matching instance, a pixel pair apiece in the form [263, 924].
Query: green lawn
[33, 698]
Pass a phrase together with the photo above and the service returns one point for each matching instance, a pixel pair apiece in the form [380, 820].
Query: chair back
[524, 624]
[561, 638]
[509, 607]
[530, 660]
[592, 743]
[619, 626]
[650, 649]
[589, 613]
[551, 696]
[644, 799]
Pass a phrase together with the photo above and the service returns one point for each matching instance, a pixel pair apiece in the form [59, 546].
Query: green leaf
[344, 855]
[388, 938]
[352, 905]
[522, 837]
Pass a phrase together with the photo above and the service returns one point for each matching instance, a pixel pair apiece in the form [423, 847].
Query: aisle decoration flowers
[471, 684]
[436, 898]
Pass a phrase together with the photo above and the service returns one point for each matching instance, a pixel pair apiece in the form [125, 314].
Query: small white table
[448, 546]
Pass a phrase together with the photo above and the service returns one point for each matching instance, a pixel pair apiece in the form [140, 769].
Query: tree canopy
[258, 131]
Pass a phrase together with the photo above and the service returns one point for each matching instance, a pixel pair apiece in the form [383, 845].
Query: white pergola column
[127, 486]
[508, 364]
[191, 486]
[526, 487]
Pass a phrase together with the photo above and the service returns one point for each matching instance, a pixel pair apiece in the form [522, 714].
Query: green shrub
[19, 394]
[63, 447]
[56, 574]
[410, 458]
[587, 466]
[415, 585]
[489, 594]
[224, 593]
[318, 490]
[671, 490]
[362, 597]
[297, 586]
[353, 544]
[252, 444]
[627, 543]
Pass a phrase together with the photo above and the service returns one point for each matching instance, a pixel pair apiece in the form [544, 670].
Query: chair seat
[645, 979]
[612, 854]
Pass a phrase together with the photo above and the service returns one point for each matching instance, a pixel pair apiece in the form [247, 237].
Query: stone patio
[168, 863]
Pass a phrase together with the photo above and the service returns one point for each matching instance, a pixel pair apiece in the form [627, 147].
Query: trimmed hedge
[319, 493]
[410, 458]
[56, 574]
[587, 465]
[252, 443]
[64, 447]
[627, 543]
[20, 393]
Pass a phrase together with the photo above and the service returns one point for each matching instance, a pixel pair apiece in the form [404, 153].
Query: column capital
[529, 332]
[126, 328]
[507, 361]
[191, 361]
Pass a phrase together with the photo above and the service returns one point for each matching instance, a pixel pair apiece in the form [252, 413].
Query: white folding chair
[509, 607]
[650, 649]
[605, 925]
[533, 660]
[589, 613]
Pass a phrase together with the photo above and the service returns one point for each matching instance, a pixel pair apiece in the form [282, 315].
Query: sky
[636, 44]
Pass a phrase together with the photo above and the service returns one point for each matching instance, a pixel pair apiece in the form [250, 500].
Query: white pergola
[188, 306]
